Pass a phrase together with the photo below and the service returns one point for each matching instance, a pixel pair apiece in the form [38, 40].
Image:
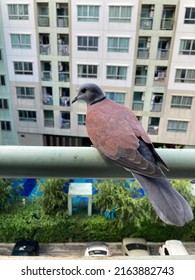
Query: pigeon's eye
[83, 90]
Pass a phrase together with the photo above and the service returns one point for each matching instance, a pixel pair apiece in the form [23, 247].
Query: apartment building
[142, 53]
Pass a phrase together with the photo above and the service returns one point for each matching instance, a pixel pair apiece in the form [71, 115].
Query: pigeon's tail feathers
[168, 203]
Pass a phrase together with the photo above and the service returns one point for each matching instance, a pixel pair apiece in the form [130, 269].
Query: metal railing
[81, 162]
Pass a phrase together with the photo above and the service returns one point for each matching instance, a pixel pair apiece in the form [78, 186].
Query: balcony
[63, 72]
[146, 19]
[47, 96]
[167, 20]
[43, 14]
[65, 120]
[153, 126]
[62, 14]
[162, 54]
[160, 76]
[156, 102]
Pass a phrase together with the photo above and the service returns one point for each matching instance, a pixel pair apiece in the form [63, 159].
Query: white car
[172, 248]
[135, 247]
[97, 249]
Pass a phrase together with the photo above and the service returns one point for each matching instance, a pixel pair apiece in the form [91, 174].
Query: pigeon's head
[90, 93]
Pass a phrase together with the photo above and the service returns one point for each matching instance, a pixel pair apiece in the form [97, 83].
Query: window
[4, 104]
[185, 76]
[48, 118]
[116, 72]
[87, 43]
[81, 119]
[118, 97]
[87, 71]
[88, 13]
[43, 14]
[118, 44]
[177, 126]
[65, 120]
[23, 68]
[189, 16]
[29, 116]
[25, 92]
[20, 41]
[187, 47]
[2, 80]
[18, 11]
[119, 13]
[1, 54]
[183, 102]
[5, 125]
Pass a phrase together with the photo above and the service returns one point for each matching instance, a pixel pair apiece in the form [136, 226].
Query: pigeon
[117, 134]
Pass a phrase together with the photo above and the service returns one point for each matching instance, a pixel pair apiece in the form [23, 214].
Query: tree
[54, 199]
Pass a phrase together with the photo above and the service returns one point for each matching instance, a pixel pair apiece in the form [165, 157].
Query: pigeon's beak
[75, 99]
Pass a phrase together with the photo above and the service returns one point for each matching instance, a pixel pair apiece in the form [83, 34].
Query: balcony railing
[43, 21]
[162, 54]
[138, 105]
[146, 23]
[64, 76]
[166, 24]
[81, 162]
[65, 124]
[45, 49]
[46, 76]
[62, 21]
[156, 107]
[63, 50]
[153, 130]
[49, 122]
[140, 80]
[143, 53]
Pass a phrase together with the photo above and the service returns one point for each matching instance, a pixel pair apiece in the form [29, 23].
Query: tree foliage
[54, 199]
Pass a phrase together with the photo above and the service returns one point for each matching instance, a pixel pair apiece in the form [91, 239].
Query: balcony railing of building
[146, 23]
[62, 21]
[64, 76]
[162, 54]
[138, 105]
[43, 21]
[143, 53]
[82, 162]
[47, 99]
[63, 50]
[45, 49]
[153, 130]
[48, 122]
[140, 80]
[46, 76]
[167, 24]
[65, 124]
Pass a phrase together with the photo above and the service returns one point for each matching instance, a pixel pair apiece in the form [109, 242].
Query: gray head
[90, 93]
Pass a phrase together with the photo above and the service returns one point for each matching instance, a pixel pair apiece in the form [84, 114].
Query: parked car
[97, 249]
[26, 248]
[172, 248]
[135, 247]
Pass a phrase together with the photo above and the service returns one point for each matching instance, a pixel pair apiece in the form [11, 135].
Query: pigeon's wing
[116, 132]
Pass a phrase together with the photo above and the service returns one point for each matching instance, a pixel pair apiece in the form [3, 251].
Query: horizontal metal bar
[81, 162]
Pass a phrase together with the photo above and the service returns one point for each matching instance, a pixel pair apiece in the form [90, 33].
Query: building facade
[142, 54]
